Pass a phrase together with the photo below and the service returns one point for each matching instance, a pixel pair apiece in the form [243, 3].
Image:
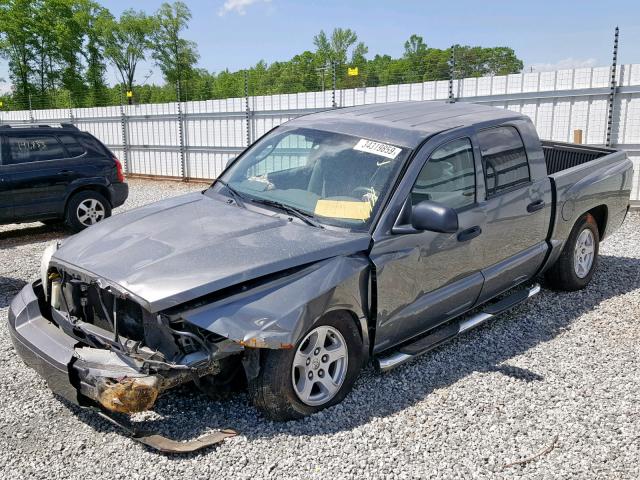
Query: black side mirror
[435, 217]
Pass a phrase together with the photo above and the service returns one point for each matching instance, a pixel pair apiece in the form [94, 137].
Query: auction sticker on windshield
[377, 148]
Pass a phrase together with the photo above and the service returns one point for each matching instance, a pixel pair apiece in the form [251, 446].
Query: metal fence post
[335, 82]
[183, 166]
[614, 88]
[124, 125]
[247, 109]
[452, 73]
[31, 119]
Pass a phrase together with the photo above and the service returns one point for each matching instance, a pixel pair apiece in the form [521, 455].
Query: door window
[504, 159]
[34, 148]
[74, 149]
[448, 177]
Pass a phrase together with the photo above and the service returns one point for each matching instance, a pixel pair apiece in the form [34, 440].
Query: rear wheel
[575, 267]
[318, 373]
[85, 209]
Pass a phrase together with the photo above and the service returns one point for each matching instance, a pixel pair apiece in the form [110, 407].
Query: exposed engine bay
[129, 356]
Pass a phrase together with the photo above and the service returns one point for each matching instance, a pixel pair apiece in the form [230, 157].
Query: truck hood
[179, 249]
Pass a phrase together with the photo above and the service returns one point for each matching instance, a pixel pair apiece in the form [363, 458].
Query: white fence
[196, 139]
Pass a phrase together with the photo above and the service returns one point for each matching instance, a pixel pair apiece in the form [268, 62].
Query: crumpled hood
[179, 249]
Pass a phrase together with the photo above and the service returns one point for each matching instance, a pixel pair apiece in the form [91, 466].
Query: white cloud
[238, 6]
[563, 64]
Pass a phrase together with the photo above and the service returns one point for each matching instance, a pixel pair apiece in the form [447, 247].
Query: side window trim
[471, 143]
[509, 187]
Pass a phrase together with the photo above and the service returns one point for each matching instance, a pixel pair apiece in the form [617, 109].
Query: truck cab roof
[405, 124]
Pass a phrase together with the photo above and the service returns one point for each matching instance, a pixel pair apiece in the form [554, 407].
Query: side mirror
[434, 217]
[229, 162]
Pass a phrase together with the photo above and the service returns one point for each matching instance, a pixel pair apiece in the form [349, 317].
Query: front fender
[276, 315]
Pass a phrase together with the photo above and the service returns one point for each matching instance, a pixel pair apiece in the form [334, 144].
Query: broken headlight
[44, 265]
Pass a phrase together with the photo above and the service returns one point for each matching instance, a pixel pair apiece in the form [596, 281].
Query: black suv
[57, 173]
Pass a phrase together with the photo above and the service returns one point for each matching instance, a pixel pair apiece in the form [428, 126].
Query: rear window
[91, 145]
[74, 149]
[34, 148]
[504, 159]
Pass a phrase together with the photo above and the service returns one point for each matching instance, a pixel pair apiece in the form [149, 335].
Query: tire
[229, 381]
[273, 390]
[569, 273]
[73, 215]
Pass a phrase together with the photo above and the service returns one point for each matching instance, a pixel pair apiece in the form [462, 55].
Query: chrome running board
[452, 330]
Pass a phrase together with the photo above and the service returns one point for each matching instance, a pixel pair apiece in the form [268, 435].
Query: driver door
[425, 278]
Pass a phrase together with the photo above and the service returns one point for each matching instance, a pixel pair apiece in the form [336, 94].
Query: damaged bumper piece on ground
[117, 381]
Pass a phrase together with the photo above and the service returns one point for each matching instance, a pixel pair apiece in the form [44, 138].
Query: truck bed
[560, 156]
[585, 178]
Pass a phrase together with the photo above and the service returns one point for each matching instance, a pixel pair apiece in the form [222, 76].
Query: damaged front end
[121, 357]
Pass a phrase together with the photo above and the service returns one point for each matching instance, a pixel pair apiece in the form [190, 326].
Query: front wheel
[575, 267]
[318, 373]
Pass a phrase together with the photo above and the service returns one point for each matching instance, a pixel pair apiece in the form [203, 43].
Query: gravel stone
[563, 365]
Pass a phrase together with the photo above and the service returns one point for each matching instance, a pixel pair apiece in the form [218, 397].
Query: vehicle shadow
[185, 413]
[9, 288]
[26, 235]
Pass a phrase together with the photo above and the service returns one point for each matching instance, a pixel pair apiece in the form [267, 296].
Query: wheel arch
[361, 322]
[600, 214]
[91, 187]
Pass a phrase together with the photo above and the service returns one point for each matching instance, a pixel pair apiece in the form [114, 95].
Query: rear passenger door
[38, 175]
[516, 207]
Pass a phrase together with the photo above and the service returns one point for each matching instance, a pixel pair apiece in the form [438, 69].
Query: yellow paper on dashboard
[344, 209]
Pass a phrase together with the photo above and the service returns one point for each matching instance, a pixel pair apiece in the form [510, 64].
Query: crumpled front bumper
[73, 371]
[41, 344]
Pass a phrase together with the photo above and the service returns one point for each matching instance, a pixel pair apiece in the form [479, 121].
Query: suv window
[504, 159]
[34, 148]
[74, 149]
[448, 177]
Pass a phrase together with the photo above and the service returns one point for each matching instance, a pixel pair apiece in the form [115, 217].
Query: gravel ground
[558, 376]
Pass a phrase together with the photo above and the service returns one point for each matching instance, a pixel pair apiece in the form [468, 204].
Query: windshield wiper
[301, 214]
[237, 196]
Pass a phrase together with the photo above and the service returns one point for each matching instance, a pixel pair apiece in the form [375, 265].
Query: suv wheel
[575, 267]
[85, 209]
[318, 373]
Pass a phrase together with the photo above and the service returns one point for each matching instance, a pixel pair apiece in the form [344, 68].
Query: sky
[545, 34]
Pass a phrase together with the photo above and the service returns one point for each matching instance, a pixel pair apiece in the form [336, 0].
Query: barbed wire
[210, 88]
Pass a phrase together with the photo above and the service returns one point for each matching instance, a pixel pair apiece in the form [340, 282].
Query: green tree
[17, 45]
[93, 15]
[174, 55]
[334, 49]
[415, 52]
[127, 41]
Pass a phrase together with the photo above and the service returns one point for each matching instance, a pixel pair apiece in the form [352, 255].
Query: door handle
[469, 234]
[535, 206]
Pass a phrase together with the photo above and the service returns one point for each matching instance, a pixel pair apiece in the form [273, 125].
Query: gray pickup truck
[372, 233]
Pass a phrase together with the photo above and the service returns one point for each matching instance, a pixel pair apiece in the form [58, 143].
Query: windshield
[336, 179]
